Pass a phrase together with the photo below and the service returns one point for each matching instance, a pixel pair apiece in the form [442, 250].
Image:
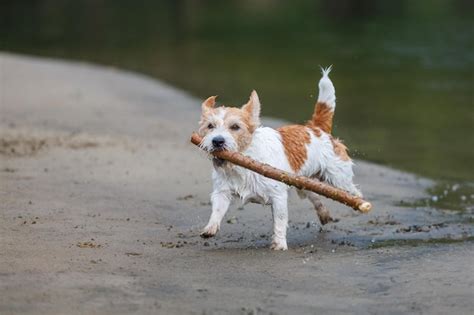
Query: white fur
[266, 147]
[233, 181]
[327, 92]
[322, 160]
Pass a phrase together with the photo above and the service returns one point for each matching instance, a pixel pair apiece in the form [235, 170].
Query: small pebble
[206, 244]
[232, 220]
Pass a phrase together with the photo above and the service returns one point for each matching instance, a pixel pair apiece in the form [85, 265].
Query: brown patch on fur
[322, 117]
[340, 149]
[243, 136]
[209, 102]
[316, 130]
[295, 138]
[243, 115]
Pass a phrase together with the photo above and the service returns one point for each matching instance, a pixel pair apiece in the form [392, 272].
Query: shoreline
[103, 198]
[268, 121]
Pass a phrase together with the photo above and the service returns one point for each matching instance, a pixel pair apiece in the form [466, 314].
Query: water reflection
[403, 70]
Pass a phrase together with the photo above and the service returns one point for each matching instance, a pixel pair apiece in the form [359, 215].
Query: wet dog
[309, 150]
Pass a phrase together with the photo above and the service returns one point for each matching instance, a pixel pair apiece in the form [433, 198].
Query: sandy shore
[102, 200]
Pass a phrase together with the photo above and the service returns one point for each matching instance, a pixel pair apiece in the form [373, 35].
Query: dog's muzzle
[218, 143]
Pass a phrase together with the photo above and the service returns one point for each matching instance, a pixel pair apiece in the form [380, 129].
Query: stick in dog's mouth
[300, 182]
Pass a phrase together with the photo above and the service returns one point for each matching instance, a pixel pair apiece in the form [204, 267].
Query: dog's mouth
[218, 162]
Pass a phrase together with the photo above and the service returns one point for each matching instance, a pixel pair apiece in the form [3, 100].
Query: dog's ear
[209, 103]
[253, 107]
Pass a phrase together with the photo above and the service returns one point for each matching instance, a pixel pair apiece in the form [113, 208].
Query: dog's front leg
[280, 221]
[220, 204]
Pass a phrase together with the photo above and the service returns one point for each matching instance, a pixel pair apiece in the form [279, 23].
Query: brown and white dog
[307, 150]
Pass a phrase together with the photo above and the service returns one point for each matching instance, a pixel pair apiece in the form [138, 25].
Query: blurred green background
[403, 70]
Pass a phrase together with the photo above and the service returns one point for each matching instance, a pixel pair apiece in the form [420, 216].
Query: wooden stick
[300, 182]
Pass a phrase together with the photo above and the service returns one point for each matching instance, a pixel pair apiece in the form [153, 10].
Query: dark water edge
[421, 242]
[403, 70]
[446, 196]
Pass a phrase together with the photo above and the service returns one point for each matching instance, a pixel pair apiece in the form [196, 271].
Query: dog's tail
[326, 104]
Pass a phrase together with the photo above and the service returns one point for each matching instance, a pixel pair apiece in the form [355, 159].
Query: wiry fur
[305, 150]
[327, 93]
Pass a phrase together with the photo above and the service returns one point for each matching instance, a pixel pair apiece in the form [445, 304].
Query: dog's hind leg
[220, 204]
[321, 210]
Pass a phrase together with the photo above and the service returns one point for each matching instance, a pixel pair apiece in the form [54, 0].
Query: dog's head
[228, 128]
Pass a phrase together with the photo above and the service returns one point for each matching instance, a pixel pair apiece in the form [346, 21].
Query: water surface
[403, 70]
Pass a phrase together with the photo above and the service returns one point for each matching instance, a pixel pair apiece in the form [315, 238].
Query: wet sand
[102, 200]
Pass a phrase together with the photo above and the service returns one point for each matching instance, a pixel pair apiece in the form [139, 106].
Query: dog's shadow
[303, 239]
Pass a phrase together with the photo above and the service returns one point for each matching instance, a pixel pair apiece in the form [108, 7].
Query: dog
[309, 150]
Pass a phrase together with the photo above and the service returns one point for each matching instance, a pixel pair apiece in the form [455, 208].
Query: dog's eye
[235, 127]
[210, 126]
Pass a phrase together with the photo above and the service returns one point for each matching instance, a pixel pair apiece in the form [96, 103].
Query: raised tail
[326, 104]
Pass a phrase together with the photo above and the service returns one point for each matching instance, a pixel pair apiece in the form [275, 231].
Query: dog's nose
[218, 142]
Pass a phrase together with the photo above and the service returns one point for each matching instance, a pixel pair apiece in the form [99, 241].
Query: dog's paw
[279, 245]
[326, 218]
[209, 231]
